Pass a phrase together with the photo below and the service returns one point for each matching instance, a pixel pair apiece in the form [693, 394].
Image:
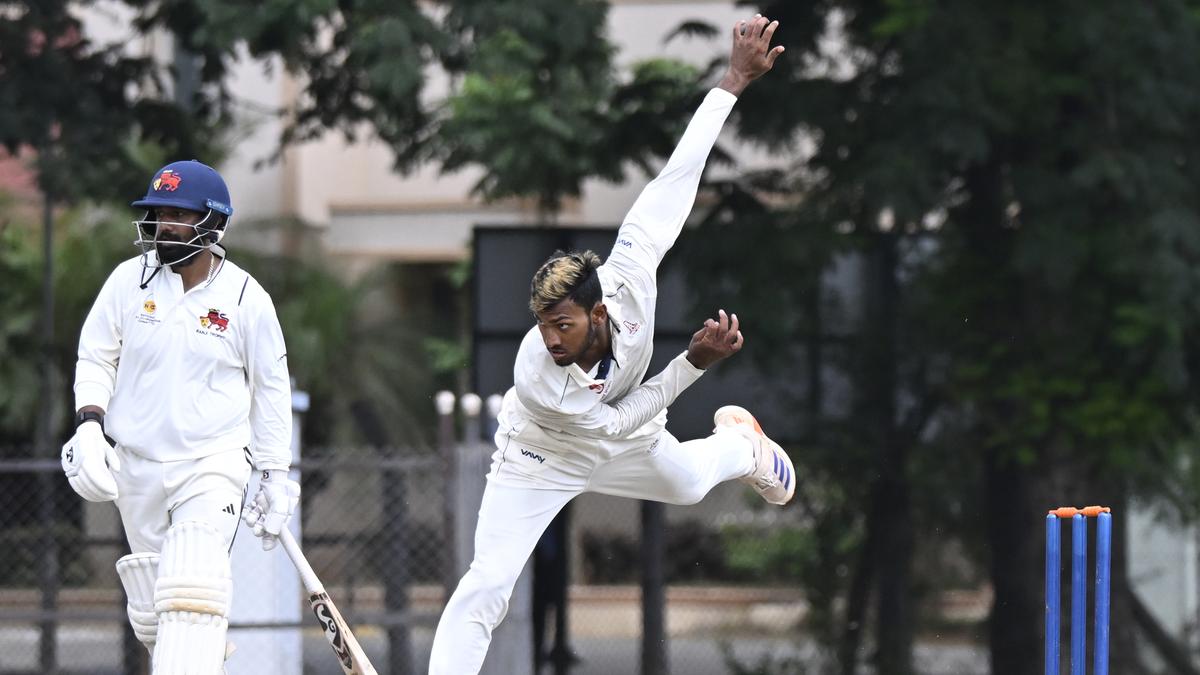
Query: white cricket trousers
[515, 513]
[154, 495]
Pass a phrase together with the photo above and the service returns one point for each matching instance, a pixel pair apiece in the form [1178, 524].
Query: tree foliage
[72, 100]
[541, 108]
[534, 100]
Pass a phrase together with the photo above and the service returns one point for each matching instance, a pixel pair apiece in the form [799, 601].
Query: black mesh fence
[376, 529]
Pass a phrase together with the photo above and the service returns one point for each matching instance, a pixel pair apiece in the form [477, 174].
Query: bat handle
[307, 576]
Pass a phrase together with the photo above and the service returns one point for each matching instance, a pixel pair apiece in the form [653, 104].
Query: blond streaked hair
[566, 275]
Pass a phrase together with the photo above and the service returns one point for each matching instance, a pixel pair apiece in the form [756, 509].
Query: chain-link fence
[385, 529]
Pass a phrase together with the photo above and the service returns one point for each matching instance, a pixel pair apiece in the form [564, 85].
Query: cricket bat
[349, 654]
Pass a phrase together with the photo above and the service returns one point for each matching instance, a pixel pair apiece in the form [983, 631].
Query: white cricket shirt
[185, 375]
[564, 408]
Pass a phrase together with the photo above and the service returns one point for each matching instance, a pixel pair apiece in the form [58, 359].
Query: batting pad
[191, 598]
[138, 572]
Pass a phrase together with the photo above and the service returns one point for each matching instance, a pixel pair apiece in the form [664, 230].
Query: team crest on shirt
[598, 387]
[214, 320]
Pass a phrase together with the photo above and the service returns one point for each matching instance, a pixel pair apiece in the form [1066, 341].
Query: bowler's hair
[566, 275]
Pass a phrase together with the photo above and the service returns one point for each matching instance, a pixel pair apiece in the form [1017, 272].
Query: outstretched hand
[718, 339]
[752, 53]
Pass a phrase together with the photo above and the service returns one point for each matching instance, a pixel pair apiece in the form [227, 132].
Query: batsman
[579, 417]
[181, 390]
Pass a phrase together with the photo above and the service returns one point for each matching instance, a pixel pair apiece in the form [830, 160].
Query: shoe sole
[738, 414]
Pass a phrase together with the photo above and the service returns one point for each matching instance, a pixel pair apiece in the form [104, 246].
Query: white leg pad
[138, 572]
[192, 598]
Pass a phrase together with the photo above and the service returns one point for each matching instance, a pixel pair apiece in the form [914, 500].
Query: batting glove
[272, 506]
[89, 462]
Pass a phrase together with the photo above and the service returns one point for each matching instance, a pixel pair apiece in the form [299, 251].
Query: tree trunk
[896, 617]
[1015, 534]
[858, 595]
[891, 512]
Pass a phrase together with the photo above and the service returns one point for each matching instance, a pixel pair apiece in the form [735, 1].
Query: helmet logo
[167, 180]
[215, 319]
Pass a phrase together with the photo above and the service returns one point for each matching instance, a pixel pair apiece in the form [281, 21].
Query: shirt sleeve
[270, 390]
[604, 420]
[657, 217]
[100, 347]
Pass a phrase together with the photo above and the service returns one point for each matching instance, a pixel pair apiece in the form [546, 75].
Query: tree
[74, 102]
[1021, 177]
[94, 110]
[541, 108]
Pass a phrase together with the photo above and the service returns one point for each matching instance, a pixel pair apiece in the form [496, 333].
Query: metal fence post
[398, 571]
[512, 643]
[266, 586]
[654, 636]
[556, 584]
[447, 449]
[48, 575]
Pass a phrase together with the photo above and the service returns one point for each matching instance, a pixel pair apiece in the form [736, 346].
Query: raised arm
[657, 217]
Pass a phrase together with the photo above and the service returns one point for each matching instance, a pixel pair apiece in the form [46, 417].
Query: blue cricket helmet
[188, 184]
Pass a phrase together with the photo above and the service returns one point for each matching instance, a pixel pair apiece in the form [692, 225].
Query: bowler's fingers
[768, 32]
[712, 334]
[723, 320]
[733, 323]
[737, 342]
[757, 24]
[773, 54]
[749, 29]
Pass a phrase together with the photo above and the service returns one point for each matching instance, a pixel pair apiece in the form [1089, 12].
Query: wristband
[89, 416]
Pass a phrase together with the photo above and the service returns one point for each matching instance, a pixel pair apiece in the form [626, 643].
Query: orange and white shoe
[773, 477]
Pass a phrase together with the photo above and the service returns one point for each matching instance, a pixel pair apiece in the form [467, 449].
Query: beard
[174, 253]
[590, 340]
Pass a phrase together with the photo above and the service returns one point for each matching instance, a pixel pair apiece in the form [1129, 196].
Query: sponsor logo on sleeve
[631, 326]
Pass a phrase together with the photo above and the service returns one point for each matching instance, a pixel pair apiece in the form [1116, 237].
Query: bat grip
[307, 576]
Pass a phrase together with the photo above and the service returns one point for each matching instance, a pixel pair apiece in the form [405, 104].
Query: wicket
[1079, 545]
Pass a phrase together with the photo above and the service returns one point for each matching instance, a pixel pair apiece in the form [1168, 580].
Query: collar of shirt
[585, 379]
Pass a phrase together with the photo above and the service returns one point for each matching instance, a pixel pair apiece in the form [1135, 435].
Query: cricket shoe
[773, 477]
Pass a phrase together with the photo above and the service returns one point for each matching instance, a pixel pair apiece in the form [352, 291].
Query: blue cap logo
[167, 180]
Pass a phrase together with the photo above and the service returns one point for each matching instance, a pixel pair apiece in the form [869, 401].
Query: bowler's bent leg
[511, 520]
[673, 472]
